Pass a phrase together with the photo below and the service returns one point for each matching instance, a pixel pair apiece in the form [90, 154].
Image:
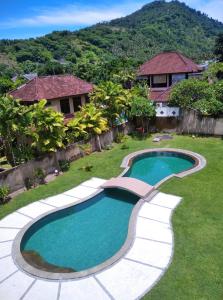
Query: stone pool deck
[130, 277]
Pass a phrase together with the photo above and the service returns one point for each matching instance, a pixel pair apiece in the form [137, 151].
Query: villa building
[64, 93]
[161, 73]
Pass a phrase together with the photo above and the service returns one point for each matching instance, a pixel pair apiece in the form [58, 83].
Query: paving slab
[155, 212]
[153, 230]
[15, 220]
[42, 290]
[85, 289]
[152, 253]
[15, 286]
[7, 267]
[35, 209]
[166, 200]
[80, 192]
[94, 182]
[7, 234]
[128, 279]
[5, 249]
[60, 200]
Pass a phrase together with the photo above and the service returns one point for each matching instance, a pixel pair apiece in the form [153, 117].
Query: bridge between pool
[130, 184]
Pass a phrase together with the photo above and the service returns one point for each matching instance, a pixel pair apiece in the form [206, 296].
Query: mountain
[95, 52]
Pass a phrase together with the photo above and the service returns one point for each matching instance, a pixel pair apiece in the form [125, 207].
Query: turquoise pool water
[86, 235]
[153, 167]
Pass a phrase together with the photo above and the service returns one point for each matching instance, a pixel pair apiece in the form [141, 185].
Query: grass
[196, 270]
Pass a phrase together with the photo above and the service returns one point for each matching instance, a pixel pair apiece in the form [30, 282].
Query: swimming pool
[82, 238]
[152, 167]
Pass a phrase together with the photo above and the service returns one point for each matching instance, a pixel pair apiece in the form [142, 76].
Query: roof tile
[52, 87]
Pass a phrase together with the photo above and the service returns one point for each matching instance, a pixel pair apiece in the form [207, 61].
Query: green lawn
[196, 270]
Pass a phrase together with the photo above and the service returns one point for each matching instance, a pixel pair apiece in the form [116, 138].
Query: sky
[32, 18]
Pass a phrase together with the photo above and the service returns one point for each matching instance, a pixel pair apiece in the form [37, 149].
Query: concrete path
[129, 278]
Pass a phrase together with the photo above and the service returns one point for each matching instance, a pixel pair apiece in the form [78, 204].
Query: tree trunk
[98, 142]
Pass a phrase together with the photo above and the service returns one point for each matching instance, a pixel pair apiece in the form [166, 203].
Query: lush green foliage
[48, 129]
[214, 72]
[142, 109]
[29, 130]
[208, 107]
[98, 52]
[203, 96]
[113, 99]
[218, 50]
[4, 192]
[186, 92]
[15, 120]
[87, 122]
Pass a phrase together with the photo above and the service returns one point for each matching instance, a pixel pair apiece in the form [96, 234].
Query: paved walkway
[129, 278]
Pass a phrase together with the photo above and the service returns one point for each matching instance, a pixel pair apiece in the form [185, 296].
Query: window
[76, 103]
[159, 81]
[65, 106]
[178, 77]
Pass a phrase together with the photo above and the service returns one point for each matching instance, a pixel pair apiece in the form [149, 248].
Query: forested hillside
[97, 52]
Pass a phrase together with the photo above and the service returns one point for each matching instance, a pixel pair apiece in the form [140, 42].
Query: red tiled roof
[160, 95]
[168, 63]
[52, 87]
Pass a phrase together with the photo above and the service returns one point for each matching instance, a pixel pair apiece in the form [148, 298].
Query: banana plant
[113, 99]
[89, 121]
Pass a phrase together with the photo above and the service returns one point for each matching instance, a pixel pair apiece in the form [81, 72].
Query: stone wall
[193, 123]
[15, 177]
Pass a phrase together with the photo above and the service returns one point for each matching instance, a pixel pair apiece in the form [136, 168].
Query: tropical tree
[214, 72]
[186, 92]
[218, 50]
[6, 84]
[143, 110]
[88, 121]
[113, 99]
[48, 130]
[15, 121]
[208, 107]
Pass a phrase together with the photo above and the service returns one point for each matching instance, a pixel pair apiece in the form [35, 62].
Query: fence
[192, 123]
[15, 177]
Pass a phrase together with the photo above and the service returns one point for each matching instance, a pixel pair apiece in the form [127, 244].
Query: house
[161, 73]
[64, 93]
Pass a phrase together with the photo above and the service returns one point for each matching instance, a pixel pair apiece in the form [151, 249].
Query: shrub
[187, 92]
[119, 137]
[86, 148]
[39, 176]
[29, 183]
[64, 165]
[208, 107]
[4, 193]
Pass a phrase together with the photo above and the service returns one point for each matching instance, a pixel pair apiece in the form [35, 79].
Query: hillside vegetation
[98, 51]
